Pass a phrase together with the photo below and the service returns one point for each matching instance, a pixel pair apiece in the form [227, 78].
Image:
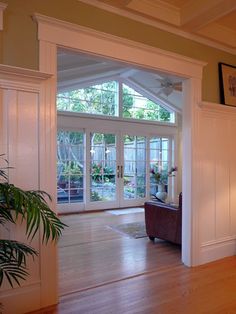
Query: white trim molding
[53, 33]
[20, 78]
[64, 33]
[21, 139]
[159, 25]
[2, 8]
[213, 250]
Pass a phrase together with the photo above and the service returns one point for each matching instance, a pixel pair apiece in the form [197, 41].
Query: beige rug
[132, 230]
[125, 211]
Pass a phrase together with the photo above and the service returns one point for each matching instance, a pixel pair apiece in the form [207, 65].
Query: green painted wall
[19, 46]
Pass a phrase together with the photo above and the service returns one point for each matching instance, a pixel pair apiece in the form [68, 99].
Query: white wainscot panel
[232, 155]
[207, 180]
[20, 144]
[19, 141]
[217, 193]
[223, 144]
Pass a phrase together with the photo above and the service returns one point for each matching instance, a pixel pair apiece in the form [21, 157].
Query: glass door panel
[70, 167]
[102, 167]
[134, 176]
[159, 164]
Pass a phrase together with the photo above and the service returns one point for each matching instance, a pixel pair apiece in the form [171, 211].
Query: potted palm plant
[31, 207]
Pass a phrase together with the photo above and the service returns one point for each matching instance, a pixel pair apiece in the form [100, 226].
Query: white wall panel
[19, 141]
[232, 174]
[207, 179]
[217, 126]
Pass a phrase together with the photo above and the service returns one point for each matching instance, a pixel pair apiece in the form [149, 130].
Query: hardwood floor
[103, 272]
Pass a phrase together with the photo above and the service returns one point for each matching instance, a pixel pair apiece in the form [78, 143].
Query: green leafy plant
[16, 206]
[161, 175]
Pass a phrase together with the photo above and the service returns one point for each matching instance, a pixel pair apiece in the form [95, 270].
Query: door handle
[121, 172]
[118, 171]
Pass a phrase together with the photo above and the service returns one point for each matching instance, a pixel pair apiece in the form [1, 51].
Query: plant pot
[161, 194]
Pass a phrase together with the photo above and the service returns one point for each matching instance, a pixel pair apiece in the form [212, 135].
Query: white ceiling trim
[157, 9]
[197, 14]
[219, 32]
[2, 8]
[159, 25]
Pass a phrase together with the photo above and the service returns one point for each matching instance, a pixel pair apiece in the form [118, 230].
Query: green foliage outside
[101, 174]
[103, 99]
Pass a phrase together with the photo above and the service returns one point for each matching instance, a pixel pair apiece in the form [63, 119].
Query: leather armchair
[164, 221]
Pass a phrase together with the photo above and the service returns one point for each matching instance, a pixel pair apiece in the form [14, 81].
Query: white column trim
[21, 79]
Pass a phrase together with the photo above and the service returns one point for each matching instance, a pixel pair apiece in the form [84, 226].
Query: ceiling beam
[197, 14]
[157, 9]
[219, 33]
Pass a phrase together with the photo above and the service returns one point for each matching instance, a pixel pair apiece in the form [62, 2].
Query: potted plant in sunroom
[161, 179]
[16, 206]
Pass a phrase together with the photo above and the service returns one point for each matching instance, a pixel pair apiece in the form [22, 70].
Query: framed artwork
[227, 76]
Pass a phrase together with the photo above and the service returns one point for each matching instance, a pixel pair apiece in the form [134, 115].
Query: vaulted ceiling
[214, 20]
[76, 70]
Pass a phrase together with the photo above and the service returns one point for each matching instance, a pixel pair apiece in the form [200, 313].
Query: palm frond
[33, 208]
[13, 260]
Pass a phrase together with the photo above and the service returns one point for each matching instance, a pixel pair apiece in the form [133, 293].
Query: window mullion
[120, 99]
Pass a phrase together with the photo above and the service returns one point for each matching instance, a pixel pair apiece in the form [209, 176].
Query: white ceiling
[214, 20]
[76, 70]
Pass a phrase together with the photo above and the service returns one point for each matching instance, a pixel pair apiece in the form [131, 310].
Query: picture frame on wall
[227, 78]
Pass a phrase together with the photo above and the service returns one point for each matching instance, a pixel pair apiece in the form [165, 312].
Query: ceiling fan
[166, 86]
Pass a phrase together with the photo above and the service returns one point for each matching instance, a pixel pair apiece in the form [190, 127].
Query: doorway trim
[53, 33]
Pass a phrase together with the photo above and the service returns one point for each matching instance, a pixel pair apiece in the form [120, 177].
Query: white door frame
[85, 123]
[53, 33]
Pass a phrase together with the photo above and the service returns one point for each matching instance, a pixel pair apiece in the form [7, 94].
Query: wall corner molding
[2, 8]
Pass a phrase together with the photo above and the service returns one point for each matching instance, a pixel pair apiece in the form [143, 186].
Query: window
[70, 165]
[139, 107]
[160, 161]
[103, 99]
[98, 99]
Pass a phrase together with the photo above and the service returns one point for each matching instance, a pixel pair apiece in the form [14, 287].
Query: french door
[100, 169]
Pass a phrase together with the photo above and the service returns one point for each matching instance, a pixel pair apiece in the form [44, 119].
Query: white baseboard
[214, 250]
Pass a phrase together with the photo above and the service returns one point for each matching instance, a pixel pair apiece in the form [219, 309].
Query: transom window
[114, 99]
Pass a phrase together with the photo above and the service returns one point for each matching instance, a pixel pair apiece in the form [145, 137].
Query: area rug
[132, 230]
[126, 211]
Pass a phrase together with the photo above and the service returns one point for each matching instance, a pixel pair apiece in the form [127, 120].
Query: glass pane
[70, 166]
[134, 167]
[102, 167]
[99, 99]
[159, 164]
[137, 106]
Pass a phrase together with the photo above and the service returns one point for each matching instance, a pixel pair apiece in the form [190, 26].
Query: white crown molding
[159, 25]
[51, 29]
[2, 8]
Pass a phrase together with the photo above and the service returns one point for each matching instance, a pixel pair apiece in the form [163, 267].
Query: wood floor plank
[100, 255]
[104, 272]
